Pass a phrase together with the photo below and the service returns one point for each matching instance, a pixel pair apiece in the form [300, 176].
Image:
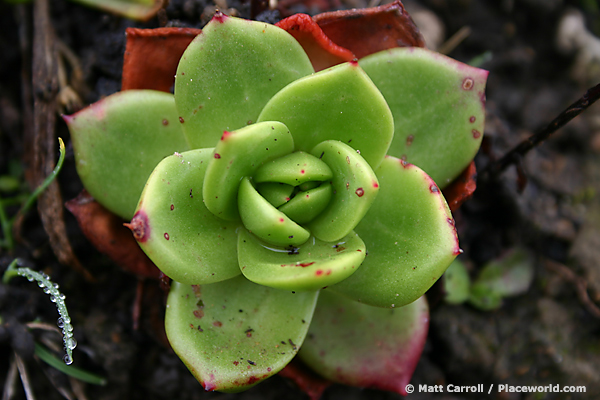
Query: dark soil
[549, 335]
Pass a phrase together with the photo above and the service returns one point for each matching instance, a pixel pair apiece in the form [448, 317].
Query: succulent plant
[281, 203]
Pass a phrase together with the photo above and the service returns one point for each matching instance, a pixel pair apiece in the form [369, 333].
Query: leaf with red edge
[370, 30]
[323, 53]
[152, 55]
[106, 232]
[360, 345]
[462, 188]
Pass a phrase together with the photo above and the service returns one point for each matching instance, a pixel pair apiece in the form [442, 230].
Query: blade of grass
[45, 355]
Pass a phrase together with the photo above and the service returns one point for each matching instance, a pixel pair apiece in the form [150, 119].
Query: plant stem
[47, 181]
[7, 223]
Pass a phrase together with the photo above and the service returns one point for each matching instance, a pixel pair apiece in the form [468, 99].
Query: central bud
[289, 191]
[282, 196]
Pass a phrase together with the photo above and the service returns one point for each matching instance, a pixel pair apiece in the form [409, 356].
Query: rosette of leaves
[279, 202]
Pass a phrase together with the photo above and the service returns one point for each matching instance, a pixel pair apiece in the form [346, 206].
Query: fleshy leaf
[311, 266]
[306, 205]
[294, 169]
[366, 31]
[238, 154]
[438, 107]
[360, 345]
[339, 103]
[233, 334]
[265, 221]
[119, 140]
[106, 232]
[462, 188]
[355, 187]
[410, 235]
[323, 53]
[229, 72]
[151, 57]
[176, 230]
[275, 193]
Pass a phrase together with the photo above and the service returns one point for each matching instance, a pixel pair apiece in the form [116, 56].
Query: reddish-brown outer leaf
[309, 382]
[151, 57]
[106, 232]
[462, 188]
[369, 30]
[323, 53]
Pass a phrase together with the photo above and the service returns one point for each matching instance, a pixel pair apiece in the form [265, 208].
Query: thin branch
[563, 118]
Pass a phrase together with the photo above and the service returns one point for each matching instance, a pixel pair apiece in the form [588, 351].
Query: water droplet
[166, 236]
[60, 323]
[69, 328]
[360, 192]
[29, 277]
[67, 320]
[71, 343]
[55, 286]
[41, 284]
[53, 299]
[181, 120]
[47, 290]
[433, 188]
[472, 119]
[62, 296]
[476, 134]
[67, 359]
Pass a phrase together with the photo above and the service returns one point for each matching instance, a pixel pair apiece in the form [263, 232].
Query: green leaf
[509, 276]
[233, 334]
[119, 140]
[275, 193]
[239, 154]
[176, 230]
[355, 187]
[306, 205]
[457, 283]
[265, 221]
[438, 106]
[294, 169]
[339, 103]
[360, 345]
[410, 236]
[229, 72]
[311, 266]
